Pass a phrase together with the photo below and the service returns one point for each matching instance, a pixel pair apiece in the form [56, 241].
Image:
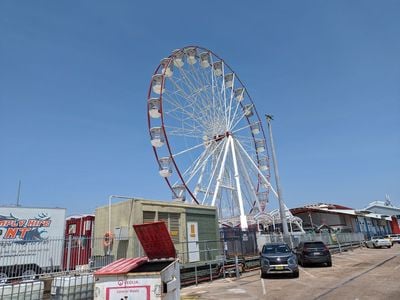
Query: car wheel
[263, 275]
[299, 261]
[296, 274]
[329, 263]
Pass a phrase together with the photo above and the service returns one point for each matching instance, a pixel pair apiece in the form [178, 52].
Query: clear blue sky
[74, 77]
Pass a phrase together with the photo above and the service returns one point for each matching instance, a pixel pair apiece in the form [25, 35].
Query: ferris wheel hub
[220, 137]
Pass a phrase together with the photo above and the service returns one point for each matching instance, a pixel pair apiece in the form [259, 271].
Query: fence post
[237, 266]
[69, 252]
[223, 267]
[195, 273]
[211, 278]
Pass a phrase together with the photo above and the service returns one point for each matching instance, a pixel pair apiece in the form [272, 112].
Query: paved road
[360, 274]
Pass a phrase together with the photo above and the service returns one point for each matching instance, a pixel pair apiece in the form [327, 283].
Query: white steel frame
[208, 136]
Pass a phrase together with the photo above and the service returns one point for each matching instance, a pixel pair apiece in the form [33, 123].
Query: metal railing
[67, 261]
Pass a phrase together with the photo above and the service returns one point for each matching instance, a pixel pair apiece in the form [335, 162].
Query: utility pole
[282, 211]
[18, 192]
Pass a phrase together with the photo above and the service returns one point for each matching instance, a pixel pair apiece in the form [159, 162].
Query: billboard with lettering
[31, 237]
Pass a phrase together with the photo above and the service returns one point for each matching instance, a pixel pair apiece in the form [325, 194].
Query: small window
[72, 229]
[88, 225]
[149, 216]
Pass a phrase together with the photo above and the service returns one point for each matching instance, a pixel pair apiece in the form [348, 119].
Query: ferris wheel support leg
[246, 174]
[243, 218]
[220, 173]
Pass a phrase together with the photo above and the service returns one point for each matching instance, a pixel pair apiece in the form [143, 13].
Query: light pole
[282, 211]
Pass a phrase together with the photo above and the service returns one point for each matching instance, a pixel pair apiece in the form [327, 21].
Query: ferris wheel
[207, 137]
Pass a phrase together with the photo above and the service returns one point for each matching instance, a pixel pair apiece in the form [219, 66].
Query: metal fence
[30, 259]
[69, 264]
[332, 240]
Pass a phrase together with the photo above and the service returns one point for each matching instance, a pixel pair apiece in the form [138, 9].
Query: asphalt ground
[357, 274]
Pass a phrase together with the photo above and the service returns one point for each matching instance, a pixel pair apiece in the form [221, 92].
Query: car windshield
[270, 249]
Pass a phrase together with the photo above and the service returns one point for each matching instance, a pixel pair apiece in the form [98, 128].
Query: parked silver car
[394, 238]
[378, 242]
[277, 258]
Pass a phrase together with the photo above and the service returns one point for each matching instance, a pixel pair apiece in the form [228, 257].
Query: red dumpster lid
[155, 240]
[121, 266]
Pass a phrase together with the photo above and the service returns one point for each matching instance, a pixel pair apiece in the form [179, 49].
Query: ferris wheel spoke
[223, 95]
[200, 180]
[247, 143]
[230, 101]
[188, 131]
[200, 165]
[241, 129]
[184, 95]
[209, 82]
[258, 170]
[172, 99]
[181, 114]
[216, 95]
[193, 166]
[236, 118]
[248, 180]
[213, 173]
[192, 87]
[188, 150]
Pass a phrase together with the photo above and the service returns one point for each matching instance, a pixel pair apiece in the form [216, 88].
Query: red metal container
[156, 276]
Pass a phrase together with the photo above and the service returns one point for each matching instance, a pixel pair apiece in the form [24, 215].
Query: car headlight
[292, 261]
[265, 261]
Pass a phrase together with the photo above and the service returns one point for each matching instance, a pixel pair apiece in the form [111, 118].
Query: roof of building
[382, 204]
[338, 209]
